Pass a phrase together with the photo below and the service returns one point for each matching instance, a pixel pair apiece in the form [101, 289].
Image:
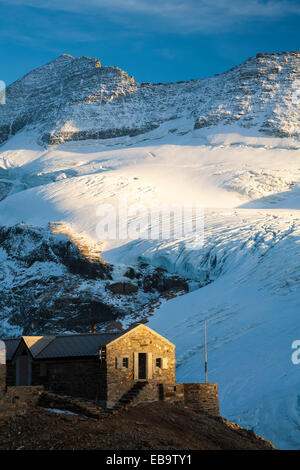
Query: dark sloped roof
[47, 347]
[76, 345]
[37, 343]
[11, 346]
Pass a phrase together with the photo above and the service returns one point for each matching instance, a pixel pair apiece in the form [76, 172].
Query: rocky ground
[158, 426]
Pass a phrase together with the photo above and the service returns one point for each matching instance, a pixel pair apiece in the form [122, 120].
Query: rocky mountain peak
[77, 98]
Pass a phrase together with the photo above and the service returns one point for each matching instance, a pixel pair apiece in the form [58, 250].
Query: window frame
[125, 362]
[158, 362]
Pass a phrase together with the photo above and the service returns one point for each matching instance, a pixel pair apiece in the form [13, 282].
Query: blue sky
[155, 40]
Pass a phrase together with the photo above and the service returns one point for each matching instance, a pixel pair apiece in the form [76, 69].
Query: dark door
[23, 370]
[142, 365]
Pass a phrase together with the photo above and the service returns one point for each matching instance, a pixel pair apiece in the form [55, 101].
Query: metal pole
[205, 351]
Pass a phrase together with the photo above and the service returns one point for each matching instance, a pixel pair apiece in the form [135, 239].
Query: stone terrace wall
[75, 405]
[22, 396]
[203, 397]
[173, 393]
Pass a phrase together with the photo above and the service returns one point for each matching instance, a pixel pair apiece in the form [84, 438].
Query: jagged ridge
[76, 98]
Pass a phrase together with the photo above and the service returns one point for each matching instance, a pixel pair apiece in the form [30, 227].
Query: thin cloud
[185, 16]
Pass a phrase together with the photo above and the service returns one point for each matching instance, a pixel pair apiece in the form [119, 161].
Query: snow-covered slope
[229, 143]
[252, 315]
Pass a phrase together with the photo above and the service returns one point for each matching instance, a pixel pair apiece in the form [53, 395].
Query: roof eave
[22, 342]
[138, 327]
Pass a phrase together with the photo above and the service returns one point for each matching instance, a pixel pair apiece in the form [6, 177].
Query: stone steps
[90, 409]
[126, 399]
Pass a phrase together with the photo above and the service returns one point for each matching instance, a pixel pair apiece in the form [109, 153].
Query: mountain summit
[78, 99]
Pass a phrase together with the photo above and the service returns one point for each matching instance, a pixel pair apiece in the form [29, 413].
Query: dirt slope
[156, 426]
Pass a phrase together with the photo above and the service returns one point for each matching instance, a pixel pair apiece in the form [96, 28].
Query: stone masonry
[135, 367]
[160, 365]
[203, 397]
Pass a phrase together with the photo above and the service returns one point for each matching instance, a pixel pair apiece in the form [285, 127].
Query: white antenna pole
[205, 349]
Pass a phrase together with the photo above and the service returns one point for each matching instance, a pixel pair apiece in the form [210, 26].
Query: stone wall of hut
[121, 378]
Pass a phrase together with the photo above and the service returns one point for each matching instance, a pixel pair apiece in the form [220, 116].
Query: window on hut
[102, 354]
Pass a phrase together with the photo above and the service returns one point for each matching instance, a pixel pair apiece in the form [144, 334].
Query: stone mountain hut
[104, 367]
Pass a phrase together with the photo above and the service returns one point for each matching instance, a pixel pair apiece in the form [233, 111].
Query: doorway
[142, 366]
[23, 370]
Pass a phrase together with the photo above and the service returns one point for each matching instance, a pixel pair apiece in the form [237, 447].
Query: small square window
[158, 362]
[125, 362]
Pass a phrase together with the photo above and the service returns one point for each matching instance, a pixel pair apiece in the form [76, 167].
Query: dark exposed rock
[123, 288]
[49, 284]
[60, 137]
[157, 281]
[64, 312]
[4, 189]
[49, 249]
[131, 274]
[76, 263]
[4, 133]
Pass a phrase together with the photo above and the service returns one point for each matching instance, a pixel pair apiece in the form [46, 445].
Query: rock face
[76, 98]
[123, 288]
[48, 285]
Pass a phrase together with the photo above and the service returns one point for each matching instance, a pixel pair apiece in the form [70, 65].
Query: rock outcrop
[49, 283]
